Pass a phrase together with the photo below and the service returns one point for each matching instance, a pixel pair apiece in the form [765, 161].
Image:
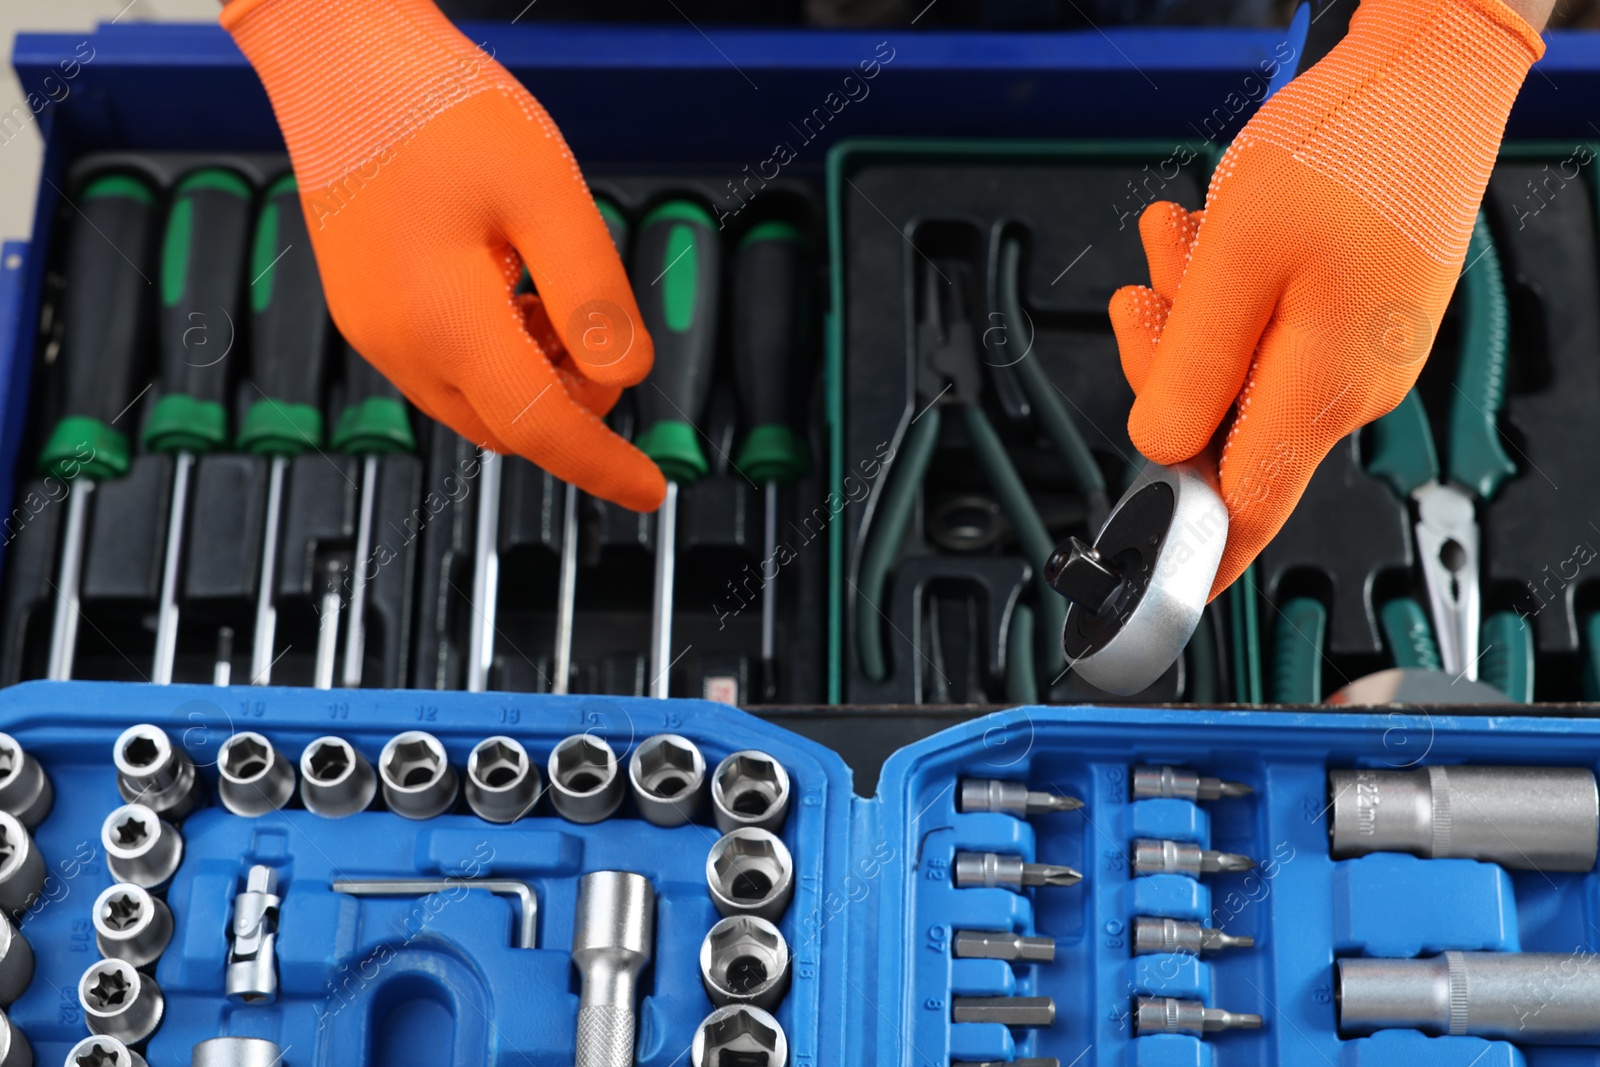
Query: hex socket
[335, 779]
[750, 872]
[16, 962]
[739, 1033]
[585, 785]
[25, 790]
[132, 925]
[749, 788]
[101, 1051]
[1525, 818]
[255, 777]
[153, 773]
[418, 781]
[744, 960]
[21, 867]
[120, 1001]
[503, 784]
[236, 1052]
[668, 774]
[140, 847]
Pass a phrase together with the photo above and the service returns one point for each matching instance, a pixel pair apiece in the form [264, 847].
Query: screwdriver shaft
[328, 628]
[566, 597]
[485, 574]
[355, 636]
[769, 594]
[64, 626]
[661, 609]
[265, 635]
[167, 613]
[222, 669]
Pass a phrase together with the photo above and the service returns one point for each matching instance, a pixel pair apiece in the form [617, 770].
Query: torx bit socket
[14, 1048]
[132, 925]
[668, 775]
[503, 784]
[418, 781]
[1525, 818]
[335, 779]
[1150, 856]
[120, 1001]
[1169, 1015]
[153, 773]
[1012, 798]
[25, 790]
[254, 777]
[98, 1050]
[1152, 935]
[16, 962]
[585, 784]
[22, 870]
[140, 847]
[613, 938]
[993, 945]
[1029, 1012]
[1183, 784]
[739, 1034]
[987, 869]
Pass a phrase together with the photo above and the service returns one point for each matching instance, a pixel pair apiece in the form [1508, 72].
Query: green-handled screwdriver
[771, 315]
[676, 275]
[202, 274]
[289, 336]
[104, 314]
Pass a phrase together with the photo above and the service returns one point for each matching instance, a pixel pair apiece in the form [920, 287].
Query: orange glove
[429, 176]
[1308, 292]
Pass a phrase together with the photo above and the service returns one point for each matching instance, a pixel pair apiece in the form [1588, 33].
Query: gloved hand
[428, 176]
[1308, 292]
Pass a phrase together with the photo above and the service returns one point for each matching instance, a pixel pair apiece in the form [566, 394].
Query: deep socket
[613, 938]
[993, 945]
[140, 848]
[153, 773]
[749, 788]
[120, 1001]
[25, 790]
[21, 867]
[101, 1051]
[132, 925]
[1531, 998]
[750, 872]
[255, 778]
[1526, 818]
[1183, 784]
[1151, 856]
[744, 960]
[1012, 798]
[16, 962]
[668, 776]
[979, 870]
[503, 785]
[1153, 935]
[585, 785]
[236, 1052]
[418, 781]
[252, 975]
[739, 1034]
[335, 779]
[1169, 1015]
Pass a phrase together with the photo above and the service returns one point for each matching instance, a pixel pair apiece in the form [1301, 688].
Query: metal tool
[25, 790]
[677, 278]
[14, 1048]
[1155, 935]
[1525, 818]
[222, 666]
[253, 945]
[153, 773]
[254, 777]
[1152, 856]
[100, 1051]
[1415, 685]
[525, 900]
[613, 938]
[749, 788]
[997, 945]
[335, 779]
[668, 775]
[503, 784]
[744, 960]
[22, 869]
[736, 1035]
[750, 872]
[1020, 1012]
[1184, 784]
[236, 1052]
[120, 1001]
[1531, 998]
[1012, 798]
[1026, 1061]
[16, 963]
[586, 785]
[1169, 1015]
[132, 925]
[975, 870]
[330, 606]
[485, 573]
[110, 253]
[141, 847]
[418, 781]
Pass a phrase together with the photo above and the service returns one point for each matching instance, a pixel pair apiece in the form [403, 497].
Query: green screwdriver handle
[1478, 459]
[1401, 448]
[771, 338]
[374, 419]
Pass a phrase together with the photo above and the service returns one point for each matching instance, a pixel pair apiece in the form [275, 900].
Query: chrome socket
[132, 925]
[252, 976]
[153, 773]
[141, 848]
[418, 781]
[236, 1052]
[749, 788]
[739, 1033]
[120, 1001]
[14, 1048]
[255, 777]
[667, 773]
[613, 938]
[16, 962]
[750, 872]
[102, 1051]
[335, 779]
[25, 791]
[21, 867]
[745, 960]
[585, 784]
[503, 785]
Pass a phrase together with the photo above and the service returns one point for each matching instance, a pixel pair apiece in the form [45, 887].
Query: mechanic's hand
[428, 177]
[1309, 290]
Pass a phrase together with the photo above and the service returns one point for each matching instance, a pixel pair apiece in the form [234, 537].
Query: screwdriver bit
[979, 869]
[1184, 784]
[1008, 1011]
[993, 945]
[1151, 935]
[1169, 1015]
[1012, 798]
[1179, 857]
[1031, 1061]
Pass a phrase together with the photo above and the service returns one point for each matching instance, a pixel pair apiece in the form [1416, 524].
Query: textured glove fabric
[429, 176]
[1306, 296]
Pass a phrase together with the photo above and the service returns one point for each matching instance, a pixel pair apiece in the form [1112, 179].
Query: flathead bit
[988, 869]
[992, 945]
[1012, 798]
[1008, 1011]
[1183, 784]
[1031, 1061]
[1169, 1015]
[1151, 856]
[1152, 935]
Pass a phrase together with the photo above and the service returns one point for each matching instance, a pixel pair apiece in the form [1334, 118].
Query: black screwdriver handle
[202, 278]
[771, 335]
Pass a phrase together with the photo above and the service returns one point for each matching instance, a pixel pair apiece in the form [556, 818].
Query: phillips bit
[993, 945]
[1180, 857]
[1184, 784]
[977, 869]
[1169, 1015]
[1008, 1011]
[1012, 798]
[1152, 935]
